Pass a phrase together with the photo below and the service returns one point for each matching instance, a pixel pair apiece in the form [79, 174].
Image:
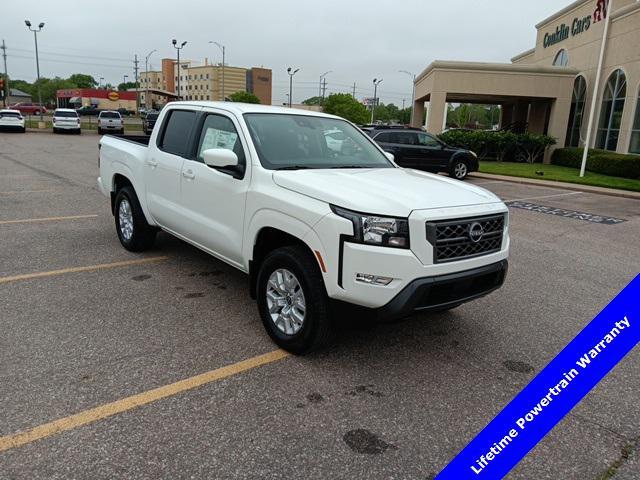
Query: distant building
[16, 96]
[203, 82]
[103, 99]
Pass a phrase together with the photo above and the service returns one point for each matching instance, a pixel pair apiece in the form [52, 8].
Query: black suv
[414, 148]
[149, 122]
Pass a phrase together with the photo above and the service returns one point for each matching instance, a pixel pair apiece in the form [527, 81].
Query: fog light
[373, 279]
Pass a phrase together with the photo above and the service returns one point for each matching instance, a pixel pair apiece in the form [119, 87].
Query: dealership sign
[578, 26]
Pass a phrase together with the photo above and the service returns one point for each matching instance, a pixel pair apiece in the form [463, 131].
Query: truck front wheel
[292, 300]
[135, 234]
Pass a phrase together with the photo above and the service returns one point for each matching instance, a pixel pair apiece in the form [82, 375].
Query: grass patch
[558, 174]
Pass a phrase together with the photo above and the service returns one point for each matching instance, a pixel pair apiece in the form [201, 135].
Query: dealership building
[549, 89]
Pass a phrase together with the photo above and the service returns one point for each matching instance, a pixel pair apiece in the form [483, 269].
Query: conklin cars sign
[578, 26]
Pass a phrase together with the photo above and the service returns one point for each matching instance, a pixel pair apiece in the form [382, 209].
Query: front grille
[460, 239]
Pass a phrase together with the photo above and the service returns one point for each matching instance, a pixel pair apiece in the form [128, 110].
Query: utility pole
[135, 72]
[413, 93]
[146, 80]
[178, 48]
[291, 74]
[5, 95]
[35, 37]
[324, 90]
[354, 89]
[320, 88]
[224, 49]
[376, 82]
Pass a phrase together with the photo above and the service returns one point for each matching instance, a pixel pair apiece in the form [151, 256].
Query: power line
[57, 54]
[65, 62]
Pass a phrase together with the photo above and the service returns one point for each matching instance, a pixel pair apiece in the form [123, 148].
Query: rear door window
[177, 132]
[427, 140]
[406, 138]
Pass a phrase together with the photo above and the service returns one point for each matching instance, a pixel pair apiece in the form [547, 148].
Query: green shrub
[501, 146]
[599, 161]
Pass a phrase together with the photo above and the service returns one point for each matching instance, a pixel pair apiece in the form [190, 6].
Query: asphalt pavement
[158, 366]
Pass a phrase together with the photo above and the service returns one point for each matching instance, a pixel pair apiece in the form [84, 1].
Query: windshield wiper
[293, 167]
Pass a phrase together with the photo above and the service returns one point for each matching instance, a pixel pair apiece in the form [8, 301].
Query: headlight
[375, 229]
[473, 154]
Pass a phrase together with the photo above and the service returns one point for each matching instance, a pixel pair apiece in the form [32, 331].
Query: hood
[385, 191]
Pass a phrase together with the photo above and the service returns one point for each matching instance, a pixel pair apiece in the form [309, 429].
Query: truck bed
[141, 139]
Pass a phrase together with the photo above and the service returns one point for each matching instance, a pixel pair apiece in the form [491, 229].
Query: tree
[83, 81]
[126, 86]
[22, 85]
[312, 101]
[244, 97]
[345, 106]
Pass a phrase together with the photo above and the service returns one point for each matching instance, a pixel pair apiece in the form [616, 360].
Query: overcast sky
[357, 40]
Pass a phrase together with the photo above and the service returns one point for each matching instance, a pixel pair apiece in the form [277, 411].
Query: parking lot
[86, 325]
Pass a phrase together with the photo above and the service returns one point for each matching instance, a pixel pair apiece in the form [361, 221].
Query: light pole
[124, 82]
[178, 48]
[223, 48]
[100, 82]
[35, 37]
[291, 74]
[376, 82]
[320, 91]
[146, 78]
[413, 93]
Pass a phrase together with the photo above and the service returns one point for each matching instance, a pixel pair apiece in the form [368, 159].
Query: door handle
[152, 163]
[188, 174]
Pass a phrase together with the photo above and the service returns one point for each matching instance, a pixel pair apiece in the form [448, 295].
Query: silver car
[110, 121]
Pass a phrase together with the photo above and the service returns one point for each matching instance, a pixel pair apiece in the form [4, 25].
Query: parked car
[28, 108]
[110, 121]
[88, 111]
[124, 112]
[66, 119]
[12, 120]
[258, 187]
[149, 122]
[414, 148]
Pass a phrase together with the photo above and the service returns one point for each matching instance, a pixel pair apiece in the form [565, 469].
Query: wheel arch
[122, 177]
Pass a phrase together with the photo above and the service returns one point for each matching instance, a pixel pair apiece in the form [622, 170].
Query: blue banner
[553, 392]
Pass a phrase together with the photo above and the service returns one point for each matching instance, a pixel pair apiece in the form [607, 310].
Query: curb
[561, 185]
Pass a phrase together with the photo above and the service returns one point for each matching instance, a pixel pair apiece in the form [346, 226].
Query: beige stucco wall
[623, 51]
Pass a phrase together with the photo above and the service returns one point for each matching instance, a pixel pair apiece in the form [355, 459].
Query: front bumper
[444, 291]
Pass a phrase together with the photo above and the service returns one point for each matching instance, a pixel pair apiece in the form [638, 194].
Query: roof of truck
[241, 108]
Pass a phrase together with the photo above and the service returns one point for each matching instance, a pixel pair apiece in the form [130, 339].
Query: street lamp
[35, 37]
[178, 48]
[376, 82]
[223, 48]
[321, 91]
[100, 82]
[124, 82]
[146, 79]
[291, 74]
[413, 93]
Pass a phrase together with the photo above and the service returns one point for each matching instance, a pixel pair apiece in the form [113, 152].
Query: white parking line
[543, 196]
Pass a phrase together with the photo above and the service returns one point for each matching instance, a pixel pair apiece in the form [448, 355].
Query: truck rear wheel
[135, 234]
[292, 300]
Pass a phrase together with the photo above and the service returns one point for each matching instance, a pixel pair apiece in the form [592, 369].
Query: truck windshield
[292, 142]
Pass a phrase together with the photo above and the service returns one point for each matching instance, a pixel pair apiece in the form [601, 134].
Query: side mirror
[390, 156]
[220, 158]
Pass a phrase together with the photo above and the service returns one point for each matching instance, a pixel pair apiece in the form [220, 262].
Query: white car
[259, 188]
[110, 121]
[12, 120]
[66, 119]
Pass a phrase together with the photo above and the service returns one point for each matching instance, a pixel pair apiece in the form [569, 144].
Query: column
[418, 113]
[437, 111]
[558, 121]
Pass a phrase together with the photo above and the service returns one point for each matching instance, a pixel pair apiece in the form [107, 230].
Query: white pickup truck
[315, 227]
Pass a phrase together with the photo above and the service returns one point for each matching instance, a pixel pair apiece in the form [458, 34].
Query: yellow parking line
[135, 401]
[15, 192]
[46, 219]
[88, 268]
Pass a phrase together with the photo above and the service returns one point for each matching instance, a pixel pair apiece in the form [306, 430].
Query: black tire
[459, 169]
[143, 235]
[316, 327]
[99, 131]
[24, 130]
[79, 131]
[122, 132]
[55, 130]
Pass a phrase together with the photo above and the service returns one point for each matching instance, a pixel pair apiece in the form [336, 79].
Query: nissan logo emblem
[475, 232]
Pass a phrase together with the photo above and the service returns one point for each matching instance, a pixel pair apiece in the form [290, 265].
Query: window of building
[207, 76]
[611, 111]
[176, 134]
[208, 97]
[562, 59]
[635, 129]
[576, 114]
